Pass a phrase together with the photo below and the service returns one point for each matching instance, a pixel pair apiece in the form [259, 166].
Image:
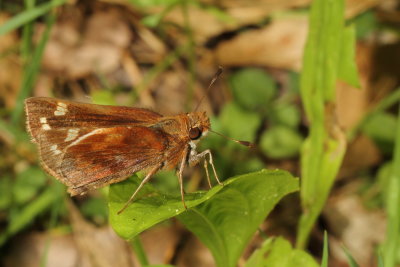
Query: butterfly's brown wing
[45, 113]
[106, 155]
[76, 149]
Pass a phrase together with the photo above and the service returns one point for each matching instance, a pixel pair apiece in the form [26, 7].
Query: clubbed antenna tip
[244, 143]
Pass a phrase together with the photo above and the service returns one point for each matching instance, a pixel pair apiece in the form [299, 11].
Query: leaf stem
[139, 251]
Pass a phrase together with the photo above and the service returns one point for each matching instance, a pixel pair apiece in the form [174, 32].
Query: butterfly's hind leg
[145, 180]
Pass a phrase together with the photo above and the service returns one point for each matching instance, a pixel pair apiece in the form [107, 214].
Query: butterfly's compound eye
[195, 133]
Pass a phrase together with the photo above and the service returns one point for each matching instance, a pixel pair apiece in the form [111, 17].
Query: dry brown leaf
[77, 52]
[353, 103]
[160, 243]
[171, 94]
[361, 154]
[196, 254]
[29, 250]
[99, 246]
[244, 12]
[356, 7]
[358, 229]
[279, 45]
[206, 24]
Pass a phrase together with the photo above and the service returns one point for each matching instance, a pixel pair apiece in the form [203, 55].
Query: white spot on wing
[43, 120]
[61, 104]
[61, 109]
[55, 150]
[72, 134]
[46, 127]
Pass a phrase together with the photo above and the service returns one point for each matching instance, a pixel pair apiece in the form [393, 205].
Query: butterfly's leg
[194, 158]
[180, 172]
[208, 175]
[145, 180]
[212, 165]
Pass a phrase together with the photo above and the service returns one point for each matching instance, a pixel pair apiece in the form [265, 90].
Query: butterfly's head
[199, 124]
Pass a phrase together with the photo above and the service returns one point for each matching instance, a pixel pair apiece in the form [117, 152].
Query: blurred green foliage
[383, 136]
[271, 251]
[253, 89]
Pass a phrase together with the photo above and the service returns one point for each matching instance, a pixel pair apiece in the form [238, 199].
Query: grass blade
[391, 245]
[29, 15]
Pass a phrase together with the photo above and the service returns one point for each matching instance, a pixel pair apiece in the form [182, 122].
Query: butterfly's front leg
[195, 158]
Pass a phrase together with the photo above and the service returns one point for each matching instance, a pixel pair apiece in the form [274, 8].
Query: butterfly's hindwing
[103, 155]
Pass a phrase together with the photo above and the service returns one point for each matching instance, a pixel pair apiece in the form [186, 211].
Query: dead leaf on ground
[160, 243]
[350, 222]
[353, 103]
[361, 154]
[95, 46]
[194, 253]
[29, 250]
[99, 246]
[279, 44]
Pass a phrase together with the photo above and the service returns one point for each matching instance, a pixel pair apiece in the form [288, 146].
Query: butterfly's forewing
[45, 113]
[87, 146]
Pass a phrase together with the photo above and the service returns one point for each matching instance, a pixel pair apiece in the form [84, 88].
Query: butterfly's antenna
[216, 75]
[245, 143]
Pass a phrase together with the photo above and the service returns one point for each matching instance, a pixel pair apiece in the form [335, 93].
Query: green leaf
[281, 142]
[365, 24]
[391, 244]
[239, 123]
[150, 207]
[278, 252]
[227, 221]
[383, 176]
[153, 20]
[323, 150]
[347, 64]
[285, 114]
[380, 260]
[381, 127]
[232, 212]
[252, 88]
[152, 3]
[325, 251]
[352, 262]
[103, 97]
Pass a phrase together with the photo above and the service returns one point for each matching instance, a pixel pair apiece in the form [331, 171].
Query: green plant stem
[139, 250]
[323, 150]
[393, 204]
